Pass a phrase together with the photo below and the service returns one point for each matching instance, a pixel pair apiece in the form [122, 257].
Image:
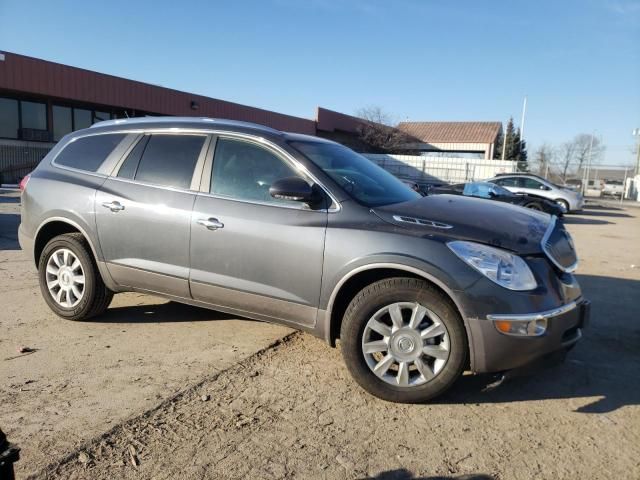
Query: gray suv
[301, 231]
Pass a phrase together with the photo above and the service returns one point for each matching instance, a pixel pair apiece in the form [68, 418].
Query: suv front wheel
[403, 340]
[69, 278]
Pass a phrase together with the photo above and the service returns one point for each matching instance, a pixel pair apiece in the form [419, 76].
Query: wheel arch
[351, 283]
[54, 226]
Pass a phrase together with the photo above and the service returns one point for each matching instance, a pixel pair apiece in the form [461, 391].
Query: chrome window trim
[529, 317]
[154, 185]
[335, 206]
[543, 244]
[257, 202]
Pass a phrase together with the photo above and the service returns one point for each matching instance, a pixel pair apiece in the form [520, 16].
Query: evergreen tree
[521, 148]
[515, 147]
[497, 150]
[511, 139]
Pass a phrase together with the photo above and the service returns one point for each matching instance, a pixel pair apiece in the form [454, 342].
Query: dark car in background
[491, 191]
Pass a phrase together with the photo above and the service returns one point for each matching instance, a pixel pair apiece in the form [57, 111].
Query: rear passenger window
[88, 153]
[167, 160]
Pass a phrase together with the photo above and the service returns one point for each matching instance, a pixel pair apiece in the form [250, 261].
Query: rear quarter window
[88, 153]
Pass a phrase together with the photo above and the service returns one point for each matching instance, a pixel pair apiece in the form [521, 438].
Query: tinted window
[130, 165]
[169, 160]
[531, 183]
[88, 153]
[358, 176]
[245, 171]
[62, 123]
[9, 118]
[507, 182]
[34, 115]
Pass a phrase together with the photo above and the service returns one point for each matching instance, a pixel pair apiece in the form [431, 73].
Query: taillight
[23, 183]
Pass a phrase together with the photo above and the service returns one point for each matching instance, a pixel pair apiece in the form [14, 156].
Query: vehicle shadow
[603, 213]
[597, 206]
[572, 220]
[168, 312]
[9, 223]
[404, 474]
[600, 374]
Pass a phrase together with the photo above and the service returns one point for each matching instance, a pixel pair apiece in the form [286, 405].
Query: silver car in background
[569, 200]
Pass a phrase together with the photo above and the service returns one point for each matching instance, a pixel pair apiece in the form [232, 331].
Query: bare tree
[583, 147]
[543, 158]
[566, 158]
[377, 130]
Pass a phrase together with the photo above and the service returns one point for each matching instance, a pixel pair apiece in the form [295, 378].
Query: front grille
[558, 245]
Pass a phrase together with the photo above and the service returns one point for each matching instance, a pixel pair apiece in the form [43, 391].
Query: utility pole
[585, 185]
[524, 111]
[504, 144]
[636, 133]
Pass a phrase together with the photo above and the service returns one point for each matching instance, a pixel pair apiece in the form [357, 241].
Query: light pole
[636, 133]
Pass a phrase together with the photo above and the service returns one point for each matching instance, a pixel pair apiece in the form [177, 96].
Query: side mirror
[293, 188]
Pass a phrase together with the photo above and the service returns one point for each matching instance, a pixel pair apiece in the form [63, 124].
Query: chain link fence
[436, 169]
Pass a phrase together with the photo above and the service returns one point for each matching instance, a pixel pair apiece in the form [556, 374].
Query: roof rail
[167, 119]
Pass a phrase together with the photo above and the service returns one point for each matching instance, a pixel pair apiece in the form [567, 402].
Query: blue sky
[577, 61]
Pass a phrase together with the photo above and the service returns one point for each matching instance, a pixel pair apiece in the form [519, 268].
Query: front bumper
[497, 352]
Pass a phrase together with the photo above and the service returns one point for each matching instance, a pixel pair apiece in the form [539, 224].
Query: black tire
[534, 206]
[385, 292]
[96, 296]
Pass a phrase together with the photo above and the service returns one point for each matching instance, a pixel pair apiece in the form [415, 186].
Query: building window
[62, 122]
[34, 115]
[101, 116]
[81, 118]
[9, 122]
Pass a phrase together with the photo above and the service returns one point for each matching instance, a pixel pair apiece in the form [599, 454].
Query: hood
[493, 223]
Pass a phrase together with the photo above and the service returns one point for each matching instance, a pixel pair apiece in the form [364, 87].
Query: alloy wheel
[405, 344]
[65, 278]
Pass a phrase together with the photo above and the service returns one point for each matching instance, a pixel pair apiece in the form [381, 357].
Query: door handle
[113, 206]
[211, 223]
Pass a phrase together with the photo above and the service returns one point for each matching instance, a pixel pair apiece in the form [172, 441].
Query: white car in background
[569, 200]
[614, 188]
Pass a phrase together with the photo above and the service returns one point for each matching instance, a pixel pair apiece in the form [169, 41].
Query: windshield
[360, 178]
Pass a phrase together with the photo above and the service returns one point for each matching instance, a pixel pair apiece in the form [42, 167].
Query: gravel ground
[292, 411]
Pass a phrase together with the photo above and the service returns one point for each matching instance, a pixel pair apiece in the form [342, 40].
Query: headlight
[507, 270]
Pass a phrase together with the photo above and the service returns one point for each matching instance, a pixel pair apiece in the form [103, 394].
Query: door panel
[266, 259]
[145, 244]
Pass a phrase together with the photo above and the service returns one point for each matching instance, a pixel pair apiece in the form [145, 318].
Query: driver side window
[244, 171]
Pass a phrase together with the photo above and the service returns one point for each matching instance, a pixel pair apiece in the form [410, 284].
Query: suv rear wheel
[403, 341]
[69, 278]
